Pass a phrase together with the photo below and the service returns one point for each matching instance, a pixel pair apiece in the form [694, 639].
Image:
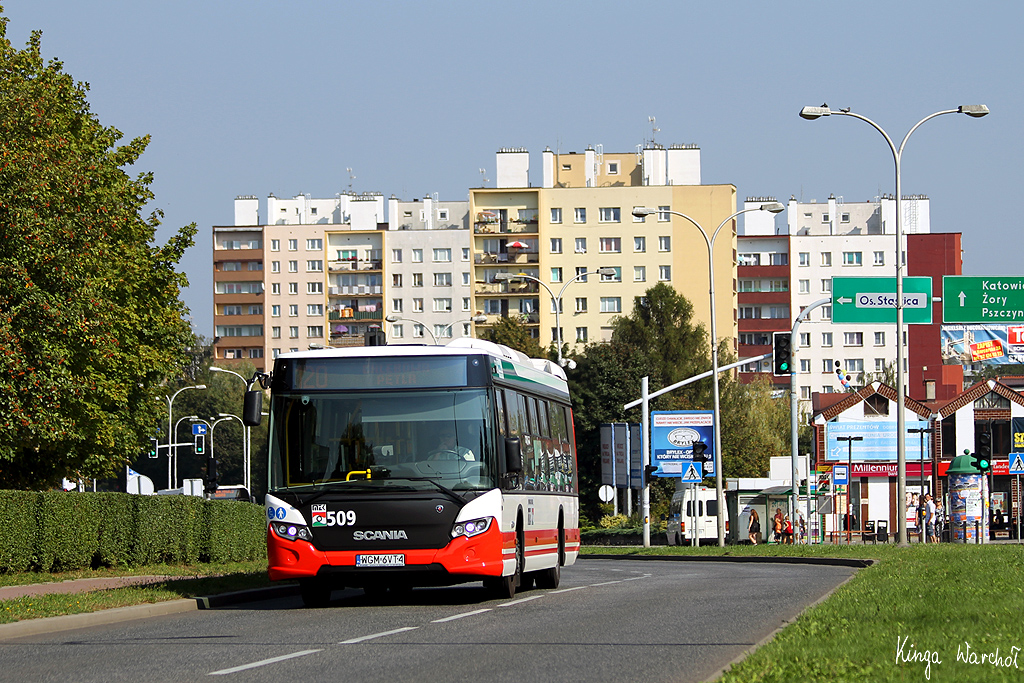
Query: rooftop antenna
[654, 128]
[483, 176]
[350, 178]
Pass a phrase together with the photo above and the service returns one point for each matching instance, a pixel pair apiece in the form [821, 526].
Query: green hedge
[54, 531]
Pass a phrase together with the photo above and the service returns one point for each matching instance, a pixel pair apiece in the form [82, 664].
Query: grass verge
[922, 613]
[206, 579]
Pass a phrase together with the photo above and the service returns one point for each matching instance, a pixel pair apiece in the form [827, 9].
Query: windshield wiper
[440, 487]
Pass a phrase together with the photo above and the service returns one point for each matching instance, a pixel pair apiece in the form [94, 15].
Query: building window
[826, 312]
[826, 259]
[580, 215]
[556, 245]
[826, 339]
[556, 275]
[615, 276]
[314, 309]
[314, 288]
[417, 305]
[581, 304]
[275, 266]
[826, 285]
[466, 304]
[442, 279]
[750, 285]
[314, 266]
[396, 279]
[610, 245]
[581, 335]
[639, 244]
[232, 310]
[826, 365]
[805, 393]
[293, 245]
[417, 256]
[879, 365]
[275, 332]
[275, 287]
[442, 255]
[293, 266]
[556, 215]
[396, 305]
[749, 260]
[805, 365]
[231, 266]
[663, 214]
[611, 304]
[293, 332]
[778, 285]
[824, 218]
[396, 255]
[293, 310]
[851, 258]
[805, 258]
[639, 273]
[465, 278]
[664, 273]
[749, 312]
[879, 258]
[255, 265]
[664, 243]
[805, 339]
[293, 287]
[314, 331]
[855, 365]
[315, 245]
[275, 245]
[397, 331]
[879, 338]
[778, 312]
[275, 311]
[853, 339]
[417, 279]
[581, 245]
[613, 168]
[580, 274]
[805, 286]
[417, 331]
[609, 214]
[844, 218]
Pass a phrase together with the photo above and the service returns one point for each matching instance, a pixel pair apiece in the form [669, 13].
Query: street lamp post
[643, 212]
[247, 445]
[849, 480]
[396, 318]
[974, 111]
[170, 436]
[175, 442]
[557, 301]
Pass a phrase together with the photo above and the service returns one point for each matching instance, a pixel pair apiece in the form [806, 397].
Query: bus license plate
[395, 560]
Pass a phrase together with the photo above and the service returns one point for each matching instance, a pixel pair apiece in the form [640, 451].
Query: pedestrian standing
[939, 521]
[777, 525]
[929, 519]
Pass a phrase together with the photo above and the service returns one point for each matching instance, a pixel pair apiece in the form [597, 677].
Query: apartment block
[579, 219]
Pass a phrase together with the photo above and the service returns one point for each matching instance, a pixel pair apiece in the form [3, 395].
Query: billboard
[879, 441]
[673, 433]
[984, 343]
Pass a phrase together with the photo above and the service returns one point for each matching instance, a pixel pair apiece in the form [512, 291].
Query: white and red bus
[400, 466]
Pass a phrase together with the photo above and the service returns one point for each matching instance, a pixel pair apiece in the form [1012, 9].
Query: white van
[681, 520]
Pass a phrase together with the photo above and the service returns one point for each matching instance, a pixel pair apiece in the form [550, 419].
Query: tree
[513, 332]
[91, 322]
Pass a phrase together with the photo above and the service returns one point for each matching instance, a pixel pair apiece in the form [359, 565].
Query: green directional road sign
[970, 299]
[873, 300]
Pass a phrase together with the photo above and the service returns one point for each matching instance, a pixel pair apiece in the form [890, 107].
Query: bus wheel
[507, 585]
[314, 592]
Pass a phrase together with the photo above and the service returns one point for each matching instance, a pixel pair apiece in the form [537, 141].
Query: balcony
[510, 227]
[513, 287]
[349, 265]
[355, 290]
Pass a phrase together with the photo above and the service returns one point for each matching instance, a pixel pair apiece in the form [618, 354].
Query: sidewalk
[79, 585]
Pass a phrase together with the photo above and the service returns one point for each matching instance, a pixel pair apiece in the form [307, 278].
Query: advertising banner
[879, 441]
[636, 457]
[985, 343]
[673, 433]
[607, 460]
[1017, 427]
[620, 443]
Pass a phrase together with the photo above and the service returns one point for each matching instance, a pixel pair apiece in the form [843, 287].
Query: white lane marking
[566, 590]
[520, 601]
[635, 578]
[459, 616]
[264, 662]
[607, 583]
[378, 635]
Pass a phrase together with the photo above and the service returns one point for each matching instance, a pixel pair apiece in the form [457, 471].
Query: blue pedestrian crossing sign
[692, 473]
[1016, 463]
[198, 429]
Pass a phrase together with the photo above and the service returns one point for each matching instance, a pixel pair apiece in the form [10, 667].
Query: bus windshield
[375, 441]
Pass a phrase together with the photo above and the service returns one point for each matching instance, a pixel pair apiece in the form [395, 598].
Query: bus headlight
[471, 528]
[291, 532]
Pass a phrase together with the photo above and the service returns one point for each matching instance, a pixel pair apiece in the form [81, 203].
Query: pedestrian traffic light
[782, 353]
[200, 446]
[649, 471]
[700, 452]
[152, 447]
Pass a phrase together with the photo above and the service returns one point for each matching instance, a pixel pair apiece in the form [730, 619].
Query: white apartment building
[819, 242]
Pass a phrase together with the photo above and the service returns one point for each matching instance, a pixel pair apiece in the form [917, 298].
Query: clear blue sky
[259, 96]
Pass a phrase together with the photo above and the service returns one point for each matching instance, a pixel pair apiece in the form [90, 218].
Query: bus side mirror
[252, 409]
[513, 455]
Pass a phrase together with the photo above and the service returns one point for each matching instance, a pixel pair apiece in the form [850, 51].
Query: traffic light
[210, 480]
[700, 452]
[649, 471]
[782, 353]
[982, 458]
[200, 446]
[152, 447]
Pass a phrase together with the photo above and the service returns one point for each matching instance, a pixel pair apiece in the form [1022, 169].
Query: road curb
[33, 627]
[831, 561]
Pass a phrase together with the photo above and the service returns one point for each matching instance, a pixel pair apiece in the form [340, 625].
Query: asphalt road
[610, 620]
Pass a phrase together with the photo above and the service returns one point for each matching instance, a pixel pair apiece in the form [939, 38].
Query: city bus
[392, 467]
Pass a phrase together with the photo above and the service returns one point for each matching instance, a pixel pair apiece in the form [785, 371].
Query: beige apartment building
[580, 219]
